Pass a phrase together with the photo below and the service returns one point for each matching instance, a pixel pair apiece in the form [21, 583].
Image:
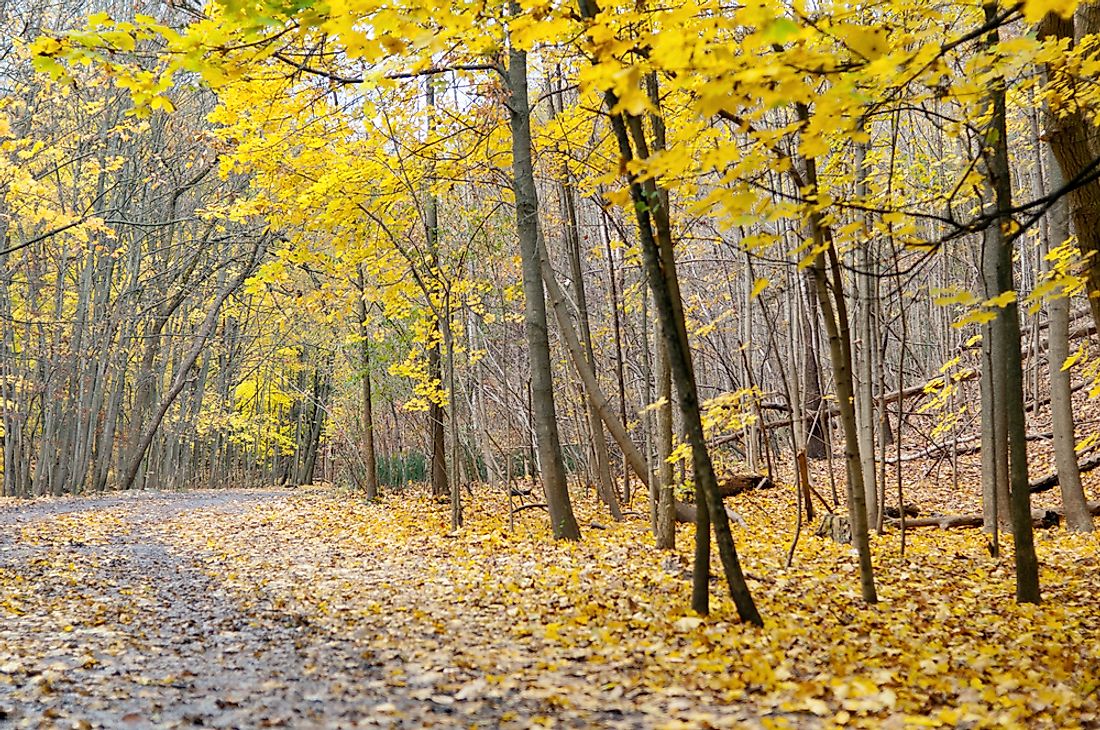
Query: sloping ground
[313, 609]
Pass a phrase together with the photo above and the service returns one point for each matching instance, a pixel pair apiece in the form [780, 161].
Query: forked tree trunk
[1007, 366]
[655, 234]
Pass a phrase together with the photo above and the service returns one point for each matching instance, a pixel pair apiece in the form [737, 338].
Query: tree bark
[370, 456]
[865, 392]
[599, 442]
[1061, 405]
[666, 528]
[1007, 367]
[1071, 137]
[562, 521]
[655, 234]
[1061, 396]
[597, 401]
[829, 286]
[180, 378]
[436, 436]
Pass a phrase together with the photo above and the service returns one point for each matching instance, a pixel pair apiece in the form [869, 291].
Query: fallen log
[739, 483]
[532, 505]
[1050, 481]
[910, 511]
[1084, 329]
[1042, 518]
[964, 446]
[729, 486]
[904, 394]
[1031, 406]
[685, 512]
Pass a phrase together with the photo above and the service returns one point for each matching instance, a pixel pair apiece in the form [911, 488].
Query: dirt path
[127, 612]
[106, 625]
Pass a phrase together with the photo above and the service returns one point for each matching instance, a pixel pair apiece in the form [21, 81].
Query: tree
[552, 470]
[1007, 370]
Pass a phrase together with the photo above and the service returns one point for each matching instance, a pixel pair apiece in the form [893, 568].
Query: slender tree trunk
[666, 501]
[1007, 366]
[1076, 506]
[993, 434]
[370, 457]
[599, 443]
[452, 403]
[554, 484]
[655, 234]
[596, 399]
[1060, 131]
[865, 362]
[829, 285]
[437, 438]
[617, 328]
[813, 407]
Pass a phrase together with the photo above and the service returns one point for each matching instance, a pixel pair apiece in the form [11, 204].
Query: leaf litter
[315, 609]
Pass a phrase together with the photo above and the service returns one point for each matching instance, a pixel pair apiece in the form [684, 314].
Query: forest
[541, 363]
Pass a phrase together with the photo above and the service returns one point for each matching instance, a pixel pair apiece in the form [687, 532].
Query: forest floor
[312, 608]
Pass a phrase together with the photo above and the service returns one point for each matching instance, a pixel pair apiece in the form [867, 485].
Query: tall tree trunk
[437, 438]
[370, 455]
[617, 328]
[1072, 137]
[865, 394]
[1007, 365]
[597, 401]
[994, 431]
[599, 442]
[829, 286]
[813, 407]
[1076, 506]
[666, 500]
[452, 403]
[554, 484]
[650, 205]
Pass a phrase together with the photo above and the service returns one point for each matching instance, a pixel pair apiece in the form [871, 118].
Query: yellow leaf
[868, 42]
[1036, 10]
[1073, 358]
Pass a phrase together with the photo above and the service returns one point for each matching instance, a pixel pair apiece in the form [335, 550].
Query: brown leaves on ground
[361, 614]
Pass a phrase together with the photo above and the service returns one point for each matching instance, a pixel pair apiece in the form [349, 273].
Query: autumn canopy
[738, 359]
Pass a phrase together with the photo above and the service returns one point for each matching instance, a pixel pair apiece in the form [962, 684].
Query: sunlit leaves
[1036, 10]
